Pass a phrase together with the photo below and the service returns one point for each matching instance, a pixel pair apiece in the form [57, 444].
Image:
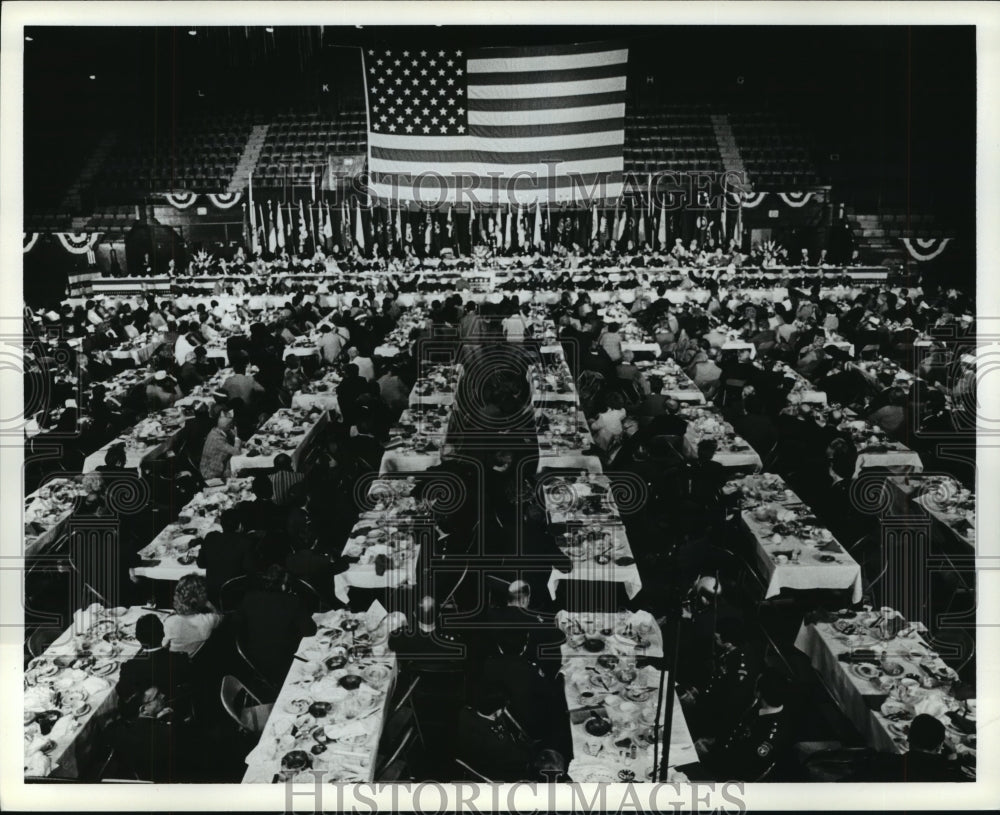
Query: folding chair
[235, 696]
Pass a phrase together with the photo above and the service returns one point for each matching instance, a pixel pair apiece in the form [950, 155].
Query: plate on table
[104, 668]
[44, 670]
[864, 670]
[597, 775]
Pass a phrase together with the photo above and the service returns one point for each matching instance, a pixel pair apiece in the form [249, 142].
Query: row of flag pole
[301, 227]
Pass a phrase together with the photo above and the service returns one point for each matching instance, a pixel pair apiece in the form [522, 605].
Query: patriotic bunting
[223, 200]
[77, 244]
[181, 200]
[924, 249]
[29, 240]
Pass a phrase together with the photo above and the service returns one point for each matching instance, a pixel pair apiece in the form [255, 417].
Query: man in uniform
[752, 747]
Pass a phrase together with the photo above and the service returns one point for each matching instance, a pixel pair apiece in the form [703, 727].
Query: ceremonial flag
[594, 224]
[254, 243]
[359, 227]
[280, 229]
[662, 237]
[506, 236]
[303, 229]
[520, 226]
[537, 238]
[499, 229]
[642, 228]
[272, 241]
[437, 115]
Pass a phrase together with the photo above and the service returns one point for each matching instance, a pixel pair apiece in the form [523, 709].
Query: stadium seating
[774, 151]
[298, 144]
[677, 138]
[199, 156]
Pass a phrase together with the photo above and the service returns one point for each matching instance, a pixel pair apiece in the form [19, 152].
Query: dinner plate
[104, 668]
[597, 775]
[864, 670]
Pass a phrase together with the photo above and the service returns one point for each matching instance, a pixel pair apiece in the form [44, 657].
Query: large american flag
[527, 123]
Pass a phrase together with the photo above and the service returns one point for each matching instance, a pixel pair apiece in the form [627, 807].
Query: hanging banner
[29, 240]
[924, 249]
[181, 200]
[78, 244]
[753, 199]
[795, 199]
[224, 200]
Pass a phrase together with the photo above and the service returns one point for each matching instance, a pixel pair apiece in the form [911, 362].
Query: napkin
[39, 698]
[375, 614]
[933, 706]
[94, 685]
[37, 765]
[350, 729]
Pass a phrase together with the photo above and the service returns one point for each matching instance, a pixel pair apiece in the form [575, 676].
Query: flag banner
[224, 200]
[28, 241]
[359, 228]
[496, 125]
[795, 199]
[924, 249]
[753, 199]
[303, 228]
[280, 229]
[272, 239]
[507, 226]
[78, 244]
[180, 200]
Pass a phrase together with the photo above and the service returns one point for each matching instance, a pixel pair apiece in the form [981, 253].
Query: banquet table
[583, 516]
[81, 688]
[321, 393]
[951, 506]
[595, 688]
[294, 431]
[845, 648]
[793, 551]
[733, 451]
[676, 383]
[149, 438]
[436, 386]
[174, 550]
[337, 730]
[47, 511]
[875, 450]
[563, 435]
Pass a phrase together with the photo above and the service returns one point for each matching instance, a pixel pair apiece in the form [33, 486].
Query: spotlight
[269, 30]
[28, 39]
[359, 26]
[193, 32]
[93, 76]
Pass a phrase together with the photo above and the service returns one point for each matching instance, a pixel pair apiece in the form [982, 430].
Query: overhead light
[28, 39]
[359, 26]
[193, 32]
[93, 76]
[269, 30]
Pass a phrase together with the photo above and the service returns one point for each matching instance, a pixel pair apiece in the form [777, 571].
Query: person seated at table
[221, 444]
[611, 341]
[655, 404]
[750, 748]
[153, 744]
[704, 371]
[226, 554]
[834, 504]
[923, 761]
[893, 416]
[283, 479]
[262, 514]
[753, 425]
[700, 610]
[161, 392]
[190, 374]
[271, 623]
[422, 644]
[154, 665]
[195, 618]
[351, 387]
[489, 741]
[516, 629]
[293, 380]
[622, 453]
[629, 376]
[715, 705]
[706, 477]
[607, 425]
[393, 391]
[670, 423]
